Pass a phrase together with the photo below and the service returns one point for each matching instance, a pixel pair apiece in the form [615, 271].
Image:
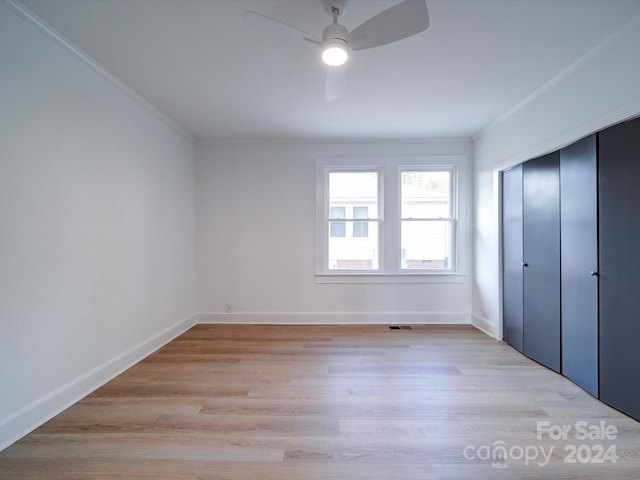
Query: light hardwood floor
[228, 402]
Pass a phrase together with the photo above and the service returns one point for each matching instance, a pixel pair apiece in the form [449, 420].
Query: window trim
[390, 270]
[453, 214]
[325, 206]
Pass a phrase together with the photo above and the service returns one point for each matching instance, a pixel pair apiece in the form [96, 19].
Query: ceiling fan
[395, 23]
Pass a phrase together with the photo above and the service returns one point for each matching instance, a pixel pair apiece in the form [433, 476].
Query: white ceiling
[198, 63]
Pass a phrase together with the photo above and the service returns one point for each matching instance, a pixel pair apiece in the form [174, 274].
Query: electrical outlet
[228, 308]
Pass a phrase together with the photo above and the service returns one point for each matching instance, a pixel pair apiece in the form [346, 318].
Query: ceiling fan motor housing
[335, 31]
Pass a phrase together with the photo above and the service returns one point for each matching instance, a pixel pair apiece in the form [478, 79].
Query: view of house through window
[425, 219]
[353, 221]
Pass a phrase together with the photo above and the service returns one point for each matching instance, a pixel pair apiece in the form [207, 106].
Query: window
[425, 219]
[353, 223]
[388, 216]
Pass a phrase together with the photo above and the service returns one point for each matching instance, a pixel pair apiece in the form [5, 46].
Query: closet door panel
[579, 263]
[619, 232]
[541, 277]
[512, 257]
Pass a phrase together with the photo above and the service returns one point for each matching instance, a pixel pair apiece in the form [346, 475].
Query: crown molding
[44, 28]
[631, 26]
[337, 141]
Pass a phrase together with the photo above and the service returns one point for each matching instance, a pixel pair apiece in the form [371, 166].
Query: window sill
[431, 277]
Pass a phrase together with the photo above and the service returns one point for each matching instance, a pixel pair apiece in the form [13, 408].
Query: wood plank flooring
[225, 402]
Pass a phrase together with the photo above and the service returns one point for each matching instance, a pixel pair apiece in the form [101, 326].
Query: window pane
[337, 212]
[355, 253]
[425, 194]
[337, 229]
[360, 229]
[426, 244]
[354, 188]
[360, 212]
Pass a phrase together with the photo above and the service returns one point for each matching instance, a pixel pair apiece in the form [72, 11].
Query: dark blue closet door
[512, 257]
[541, 229]
[619, 231]
[579, 262]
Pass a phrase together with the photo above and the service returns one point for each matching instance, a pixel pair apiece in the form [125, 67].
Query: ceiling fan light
[335, 53]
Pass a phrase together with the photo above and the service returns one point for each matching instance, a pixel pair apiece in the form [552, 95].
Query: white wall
[260, 197]
[97, 221]
[600, 89]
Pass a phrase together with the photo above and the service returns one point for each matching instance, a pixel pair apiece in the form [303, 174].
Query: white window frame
[325, 208]
[452, 219]
[389, 203]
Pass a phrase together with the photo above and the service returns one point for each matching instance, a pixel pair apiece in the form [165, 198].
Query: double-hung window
[353, 223]
[426, 220]
[387, 216]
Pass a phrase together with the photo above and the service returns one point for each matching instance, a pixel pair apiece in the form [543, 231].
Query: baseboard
[335, 318]
[27, 419]
[483, 324]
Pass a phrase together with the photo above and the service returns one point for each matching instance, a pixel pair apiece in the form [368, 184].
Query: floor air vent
[400, 327]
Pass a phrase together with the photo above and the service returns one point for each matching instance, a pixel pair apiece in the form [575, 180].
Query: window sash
[426, 223]
[448, 197]
[353, 253]
[424, 248]
[358, 252]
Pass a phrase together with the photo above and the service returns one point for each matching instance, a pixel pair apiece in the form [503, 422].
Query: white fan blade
[336, 83]
[277, 27]
[393, 24]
